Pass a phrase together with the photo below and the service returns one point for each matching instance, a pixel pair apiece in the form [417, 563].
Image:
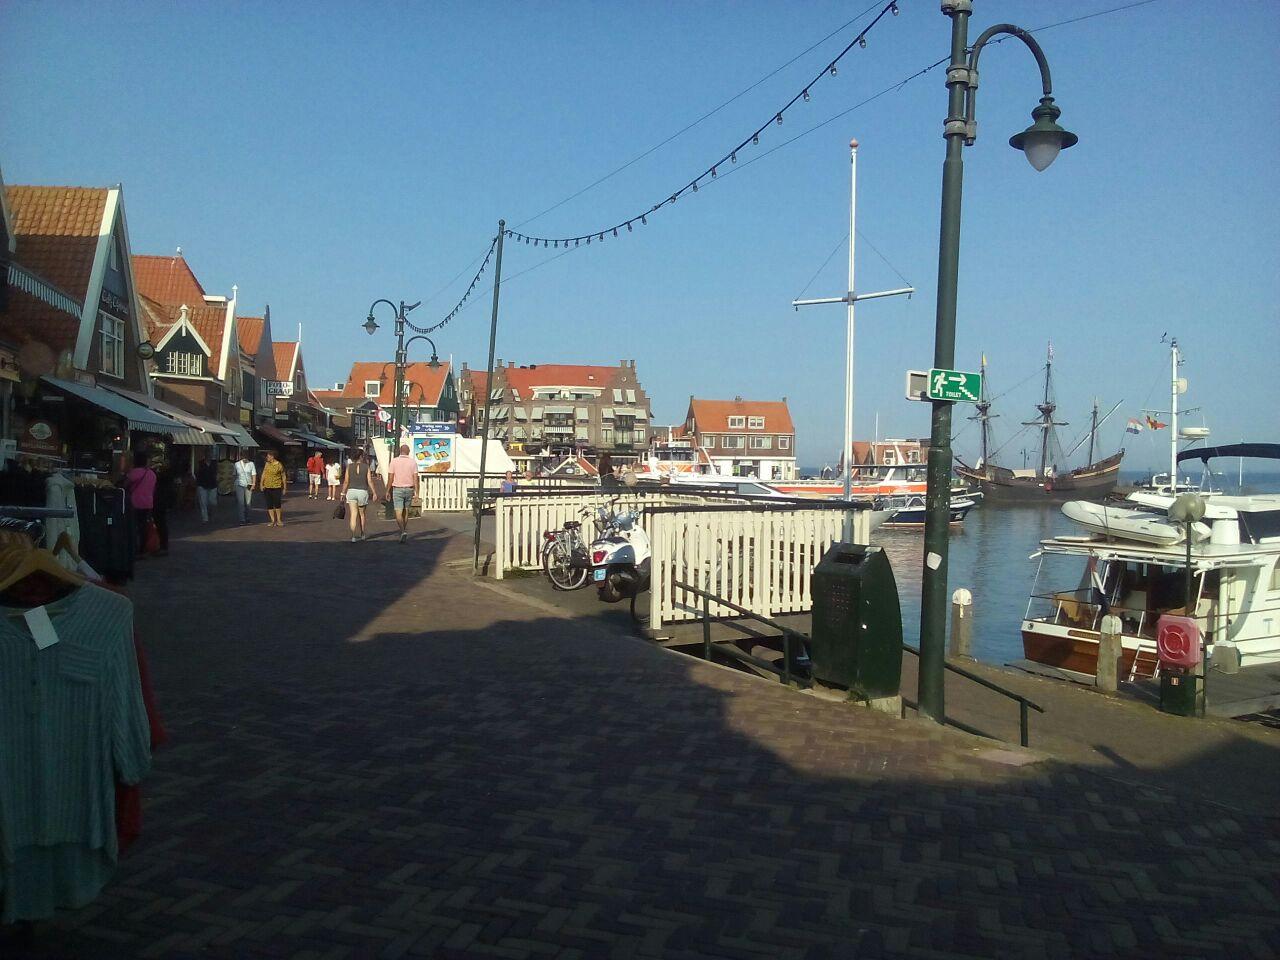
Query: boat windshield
[1137, 593]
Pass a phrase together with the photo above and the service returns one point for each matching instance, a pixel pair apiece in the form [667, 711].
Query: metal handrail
[1023, 702]
[787, 632]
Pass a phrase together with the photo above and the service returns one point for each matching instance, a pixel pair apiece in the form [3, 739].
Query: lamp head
[370, 325]
[1044, 139]
[435, 361]
[1187, 508]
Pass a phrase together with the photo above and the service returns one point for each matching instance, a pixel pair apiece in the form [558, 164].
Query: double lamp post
[1041, 142]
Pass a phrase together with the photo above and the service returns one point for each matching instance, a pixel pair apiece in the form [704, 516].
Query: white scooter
[620, 560]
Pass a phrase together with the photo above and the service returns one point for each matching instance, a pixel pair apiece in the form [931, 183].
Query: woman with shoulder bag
[356, 492]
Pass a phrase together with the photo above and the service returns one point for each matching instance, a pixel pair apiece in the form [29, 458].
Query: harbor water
[990, 556]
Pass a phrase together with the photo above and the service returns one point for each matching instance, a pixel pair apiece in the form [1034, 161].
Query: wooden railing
[757, 556]
[451, 492]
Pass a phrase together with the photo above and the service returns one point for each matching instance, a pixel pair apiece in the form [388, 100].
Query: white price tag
[41, 627]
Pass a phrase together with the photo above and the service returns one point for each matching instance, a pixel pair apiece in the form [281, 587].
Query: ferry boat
[1132, 563]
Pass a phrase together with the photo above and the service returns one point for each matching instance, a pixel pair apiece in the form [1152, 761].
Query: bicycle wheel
[555, 564]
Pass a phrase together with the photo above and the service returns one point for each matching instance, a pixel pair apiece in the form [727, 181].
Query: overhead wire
[706, 116]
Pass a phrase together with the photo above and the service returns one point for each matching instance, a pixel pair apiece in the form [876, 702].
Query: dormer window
[755, 423]
[184, 364]
[737, 423]
[372, 388]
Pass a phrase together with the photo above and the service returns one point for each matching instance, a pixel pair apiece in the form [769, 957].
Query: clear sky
[320, 155]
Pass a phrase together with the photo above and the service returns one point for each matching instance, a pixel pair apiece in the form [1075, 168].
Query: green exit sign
[956, 386]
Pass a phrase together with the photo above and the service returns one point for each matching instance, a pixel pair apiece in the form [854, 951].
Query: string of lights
[471, 288]
[706, 116]
[729, 159]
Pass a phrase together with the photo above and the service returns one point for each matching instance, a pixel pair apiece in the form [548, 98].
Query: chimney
[737, 399]
[497, 364]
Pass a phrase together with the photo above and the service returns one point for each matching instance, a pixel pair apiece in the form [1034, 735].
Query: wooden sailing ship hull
[1077, 650]
[1000, 485]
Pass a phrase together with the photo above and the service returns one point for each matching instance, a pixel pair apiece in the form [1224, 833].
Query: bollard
[962, 624]
[1107, 677]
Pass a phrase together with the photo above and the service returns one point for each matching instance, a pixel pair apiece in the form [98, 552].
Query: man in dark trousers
[206, 487]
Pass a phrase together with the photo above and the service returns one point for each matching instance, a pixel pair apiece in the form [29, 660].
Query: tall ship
[1044, 482]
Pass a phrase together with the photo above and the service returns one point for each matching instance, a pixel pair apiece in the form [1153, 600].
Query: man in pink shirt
[403, 476]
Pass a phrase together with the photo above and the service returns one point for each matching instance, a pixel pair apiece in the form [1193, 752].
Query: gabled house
[295, 405]
[430, 394]
[745, 438]
[257, 368]
[197, 352]
[70, 284]
[582, 408]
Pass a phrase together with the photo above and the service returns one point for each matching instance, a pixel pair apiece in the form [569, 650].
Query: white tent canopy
[466, 456]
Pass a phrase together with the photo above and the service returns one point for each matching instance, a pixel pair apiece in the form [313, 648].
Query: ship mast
[1093, 429]
[1046, 423]
[984, 414]
[1173, 418]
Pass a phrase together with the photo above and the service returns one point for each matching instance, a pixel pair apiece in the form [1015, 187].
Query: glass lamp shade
[370, 325]
[1041, 148]
[1044, 139]
[435, 362]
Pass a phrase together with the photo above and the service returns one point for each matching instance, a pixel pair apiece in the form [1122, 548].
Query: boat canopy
[1264, 451]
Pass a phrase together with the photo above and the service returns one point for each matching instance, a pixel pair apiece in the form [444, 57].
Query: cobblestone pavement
[373, 756]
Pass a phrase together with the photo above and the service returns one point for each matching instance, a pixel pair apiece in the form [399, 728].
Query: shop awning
[237, 435]
[275, 435]
[200, 433]
[136, 415]
[313, 440]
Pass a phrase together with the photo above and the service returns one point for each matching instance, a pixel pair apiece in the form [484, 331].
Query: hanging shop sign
[279, 388]
[40, 436]
[433, 453]
[114, 304]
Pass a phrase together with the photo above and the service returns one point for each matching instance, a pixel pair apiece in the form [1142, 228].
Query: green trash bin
[1178, 691]
[857, 622]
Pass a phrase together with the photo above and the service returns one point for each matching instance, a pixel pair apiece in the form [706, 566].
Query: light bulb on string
[893, 8]
[862, 42]
[713, 172]
[643, 221]
[778, 119]
[628, 226]
[695, 186]
[755, 139]
[806, 94]
[615, 231]
[733, 157]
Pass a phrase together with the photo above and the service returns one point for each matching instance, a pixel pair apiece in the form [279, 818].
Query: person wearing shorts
[402, 475]
[356, 490]
[274, 485]
[315, 474]
[333, 472]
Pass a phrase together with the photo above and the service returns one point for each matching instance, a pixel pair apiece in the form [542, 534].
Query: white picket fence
[760, 557]
[450, 492]
[520, 522]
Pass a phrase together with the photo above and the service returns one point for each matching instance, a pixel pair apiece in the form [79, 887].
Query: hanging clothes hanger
[65, 544]
[17, 564]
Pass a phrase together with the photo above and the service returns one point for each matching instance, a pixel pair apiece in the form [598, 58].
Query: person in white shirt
[246, 480]
[334, 473]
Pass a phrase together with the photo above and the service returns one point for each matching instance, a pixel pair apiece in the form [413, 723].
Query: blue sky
[322, 155]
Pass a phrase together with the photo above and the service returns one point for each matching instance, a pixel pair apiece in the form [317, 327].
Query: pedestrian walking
[206, 487]
[274, 485]
[315, 475]
[246, 480]
[140, 483]
[333, 472]
[356, 490]
[402, 477]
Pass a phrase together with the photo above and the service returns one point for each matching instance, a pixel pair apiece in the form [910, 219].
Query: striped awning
[138, 417]
[559, 409]
[200, 432]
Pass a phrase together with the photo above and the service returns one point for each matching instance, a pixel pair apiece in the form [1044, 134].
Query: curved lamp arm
[395, 309]
[971, 98]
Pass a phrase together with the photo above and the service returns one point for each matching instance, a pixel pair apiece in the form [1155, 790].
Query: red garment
[316, 464]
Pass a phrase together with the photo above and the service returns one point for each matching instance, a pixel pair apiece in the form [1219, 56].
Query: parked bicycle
[565, 558]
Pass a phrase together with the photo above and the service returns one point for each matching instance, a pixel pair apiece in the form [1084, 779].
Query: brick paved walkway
[372, 756]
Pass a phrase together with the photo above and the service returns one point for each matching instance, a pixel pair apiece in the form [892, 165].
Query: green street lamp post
[1041, 142]
[371, 327]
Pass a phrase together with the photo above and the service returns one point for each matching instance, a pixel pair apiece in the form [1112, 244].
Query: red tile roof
[712, 416]
[250, 330]
[284, 351]
[430, 380]
[328, 397]
[525, 379]
[208, 319]
[28, 319]
[57, 231]
[477, 379]
[167, 279]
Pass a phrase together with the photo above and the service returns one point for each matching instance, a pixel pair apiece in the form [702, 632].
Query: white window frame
[617, 395]
[377, 389]
[784, 443]
[755, 423]
[184, 364]
[111, 331]
[631, 396]
[732, 442]
[761, 443]
[737, 423]
[708, 440]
